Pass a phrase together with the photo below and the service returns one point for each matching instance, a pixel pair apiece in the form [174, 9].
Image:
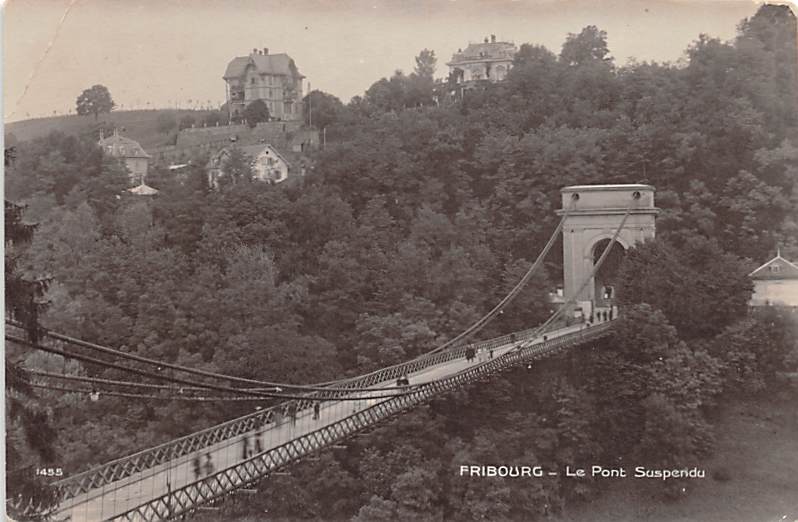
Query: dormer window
[775, 268]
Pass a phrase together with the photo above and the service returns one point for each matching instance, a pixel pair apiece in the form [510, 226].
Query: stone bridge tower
[597, 211]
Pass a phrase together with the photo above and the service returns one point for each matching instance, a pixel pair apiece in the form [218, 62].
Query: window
[775, 268]
[252, 80]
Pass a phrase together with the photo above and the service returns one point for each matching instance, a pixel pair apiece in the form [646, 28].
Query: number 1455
[50, 472]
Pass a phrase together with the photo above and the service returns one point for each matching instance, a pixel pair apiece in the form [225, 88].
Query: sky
[163, 53]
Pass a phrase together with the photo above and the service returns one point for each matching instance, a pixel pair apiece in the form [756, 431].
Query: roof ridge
[776, 258]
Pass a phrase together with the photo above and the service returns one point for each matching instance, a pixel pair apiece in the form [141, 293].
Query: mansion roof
[271, 64]
[482, 52]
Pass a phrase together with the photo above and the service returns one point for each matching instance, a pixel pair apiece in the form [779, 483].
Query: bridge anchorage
[167, 483]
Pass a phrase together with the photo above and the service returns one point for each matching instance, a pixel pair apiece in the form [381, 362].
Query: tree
[590, 45]
[645, 381]
[237, 167]
[531, 306]
[767, 45]
[425, 63]
[95, 100]
[322, 109]
[754, 350]
[101, 189]
[256, 112]
[24, 303]
[388, 95]
[700, 288]
[377, 510]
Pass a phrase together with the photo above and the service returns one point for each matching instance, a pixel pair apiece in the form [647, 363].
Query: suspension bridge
[199, 470]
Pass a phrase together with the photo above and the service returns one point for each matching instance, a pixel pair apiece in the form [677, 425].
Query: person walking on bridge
[208, 466]
[245, 447]
[292, 411]
[197, 465]
[469, 353]
[316, 409]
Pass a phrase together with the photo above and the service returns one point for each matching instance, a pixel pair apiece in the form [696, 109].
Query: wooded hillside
[418, 217]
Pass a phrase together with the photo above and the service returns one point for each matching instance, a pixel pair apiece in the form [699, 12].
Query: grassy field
[141, 126]
[757, 451]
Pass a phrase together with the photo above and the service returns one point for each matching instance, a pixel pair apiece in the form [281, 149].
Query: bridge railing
[129, 465]
[248, 472]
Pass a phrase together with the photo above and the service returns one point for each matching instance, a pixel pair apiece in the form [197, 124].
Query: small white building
[267, 164]
[775, 283]
[143, 190]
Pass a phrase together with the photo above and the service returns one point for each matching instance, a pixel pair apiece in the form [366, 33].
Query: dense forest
[425, 207]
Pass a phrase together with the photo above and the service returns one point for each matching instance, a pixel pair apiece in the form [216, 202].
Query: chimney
[486, 39]
[265, 50]
[493, 38]
[254, 51]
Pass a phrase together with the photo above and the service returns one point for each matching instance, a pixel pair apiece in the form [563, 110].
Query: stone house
[273, 78]
[136, 159]
[486, 61]
[267, 163]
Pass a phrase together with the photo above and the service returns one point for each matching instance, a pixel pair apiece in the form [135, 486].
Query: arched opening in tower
[605, 280]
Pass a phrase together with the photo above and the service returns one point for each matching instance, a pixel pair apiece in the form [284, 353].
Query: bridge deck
[121, 496]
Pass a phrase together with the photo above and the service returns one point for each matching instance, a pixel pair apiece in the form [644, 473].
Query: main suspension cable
[269, 386]
[266, 395]
[181, 391]
[542, 328]
[323, 386]
[140, 395]
[484, 320]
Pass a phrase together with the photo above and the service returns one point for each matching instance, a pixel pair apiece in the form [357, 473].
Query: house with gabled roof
[135, 158]
[775, 283]
[268, 164]
[273, 78]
